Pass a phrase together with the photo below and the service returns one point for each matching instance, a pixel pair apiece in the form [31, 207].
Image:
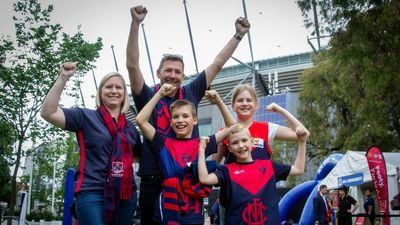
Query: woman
[105, 190]
[347, 206]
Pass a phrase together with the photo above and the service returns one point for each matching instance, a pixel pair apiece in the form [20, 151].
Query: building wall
[278, 81]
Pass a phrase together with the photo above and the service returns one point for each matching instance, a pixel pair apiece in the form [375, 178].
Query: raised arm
[51, 110]
[300, 161]
[285, 133]
[143, 116]
[214, 98]
[242, 27]
[204, 176]
[138, 13]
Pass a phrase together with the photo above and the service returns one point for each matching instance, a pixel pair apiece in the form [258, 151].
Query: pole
[94, 78]
[83, 100]
[115, 61]
[53, 189]
[191, 37]
[30, 188]
[314, 5]
[148, 54]
[250, 45]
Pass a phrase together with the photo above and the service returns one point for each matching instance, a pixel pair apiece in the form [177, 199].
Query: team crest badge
[117, 168]
[258, 142]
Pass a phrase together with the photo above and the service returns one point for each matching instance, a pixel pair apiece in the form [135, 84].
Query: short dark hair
[322, 186]
[171, 57]
[183, 102]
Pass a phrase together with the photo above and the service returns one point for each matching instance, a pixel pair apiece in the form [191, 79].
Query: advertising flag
[377, 168]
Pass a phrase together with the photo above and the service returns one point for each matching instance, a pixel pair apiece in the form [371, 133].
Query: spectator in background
[321, 206]
[214, 213]
[369, 206]
[347, 206]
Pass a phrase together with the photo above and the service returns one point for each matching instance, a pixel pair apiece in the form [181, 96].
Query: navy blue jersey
[252, 197]
[193, 91]
[261, 132]
[176, 157]
[93, 164]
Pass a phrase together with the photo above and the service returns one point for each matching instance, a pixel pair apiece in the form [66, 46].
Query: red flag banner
[377, 168]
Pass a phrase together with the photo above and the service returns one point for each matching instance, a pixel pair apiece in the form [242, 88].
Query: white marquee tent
[356, 162]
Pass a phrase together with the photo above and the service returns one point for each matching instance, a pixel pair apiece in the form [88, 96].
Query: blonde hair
[125, 104]
[241, 88]
[236, 128]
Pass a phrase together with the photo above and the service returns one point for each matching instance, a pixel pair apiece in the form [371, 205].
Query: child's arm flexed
[284, 133]
[204, 176]
[143, 116]
[300, 161]
[214, 98]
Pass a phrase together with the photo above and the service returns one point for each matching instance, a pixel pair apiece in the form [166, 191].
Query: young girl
[245, 103]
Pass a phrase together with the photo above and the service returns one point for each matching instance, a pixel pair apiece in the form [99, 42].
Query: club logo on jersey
[253, 213]
[262, 169]
[237, 172]
[185, 157]
[117, 167]
[258, 142]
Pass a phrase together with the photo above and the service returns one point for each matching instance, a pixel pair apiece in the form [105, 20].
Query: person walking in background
[347, 206]
[321, 206]
[105, 190]
[369, 206]
[170, 71]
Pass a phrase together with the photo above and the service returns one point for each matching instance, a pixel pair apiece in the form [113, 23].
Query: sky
[277, 29]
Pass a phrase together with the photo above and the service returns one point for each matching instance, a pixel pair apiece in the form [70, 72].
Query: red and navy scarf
[163, 115]
[178, 196]
[120, 176]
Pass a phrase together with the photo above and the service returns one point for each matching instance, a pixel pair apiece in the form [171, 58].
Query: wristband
[237, 37]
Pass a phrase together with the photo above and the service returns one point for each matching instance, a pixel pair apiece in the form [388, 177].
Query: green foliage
[29, 66]
[37, 216]
[333, 16]
[351, 97]
[6, 141]
[286, 152]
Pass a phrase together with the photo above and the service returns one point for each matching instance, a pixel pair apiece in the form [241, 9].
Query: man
[169, 71]
[321, 206]
[369, 206]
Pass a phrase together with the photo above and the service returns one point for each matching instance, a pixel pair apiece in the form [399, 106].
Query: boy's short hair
[236, 128]
[322, 186]
[183, 102]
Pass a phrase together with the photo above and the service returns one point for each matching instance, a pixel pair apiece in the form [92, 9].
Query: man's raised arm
[136, 79]
[242, 27]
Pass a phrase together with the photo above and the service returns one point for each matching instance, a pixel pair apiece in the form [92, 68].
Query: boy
[182, 195]
[251, 185]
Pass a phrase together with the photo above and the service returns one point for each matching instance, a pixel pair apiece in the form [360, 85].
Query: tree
[351, 97]
[29, 66]
[6, 141]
